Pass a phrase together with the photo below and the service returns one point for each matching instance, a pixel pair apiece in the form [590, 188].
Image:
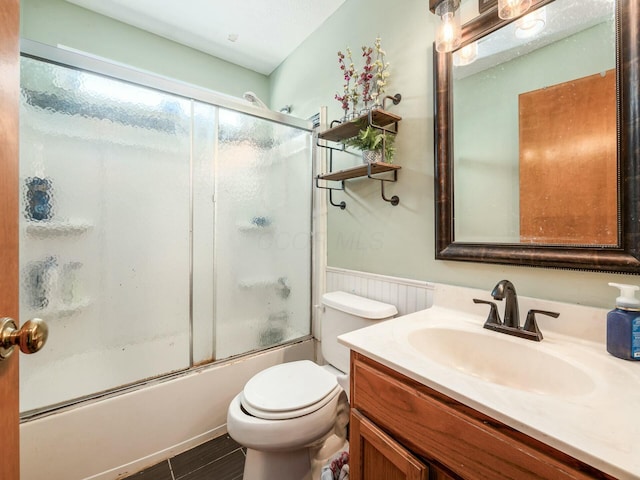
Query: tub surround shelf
[60, 303]
[262, 282]
[379, 119]
[64, 310]
[253, 227]
[57, 228]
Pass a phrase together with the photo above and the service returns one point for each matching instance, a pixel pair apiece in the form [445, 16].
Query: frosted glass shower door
[105, 247]
[263, 234]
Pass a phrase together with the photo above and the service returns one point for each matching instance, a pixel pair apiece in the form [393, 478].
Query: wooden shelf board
[349, 129]
[359, 171]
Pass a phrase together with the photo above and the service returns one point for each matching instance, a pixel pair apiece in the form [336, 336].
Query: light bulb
[466, 55]
[449, 33]
[512, 8]
[531, 24]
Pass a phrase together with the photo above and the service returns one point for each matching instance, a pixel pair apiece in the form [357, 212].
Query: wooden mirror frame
[623, 258]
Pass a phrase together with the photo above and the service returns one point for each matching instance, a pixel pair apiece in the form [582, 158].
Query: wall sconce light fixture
[512, 8]
[449, 33]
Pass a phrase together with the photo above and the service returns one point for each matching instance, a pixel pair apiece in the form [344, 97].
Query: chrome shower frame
[90, 63]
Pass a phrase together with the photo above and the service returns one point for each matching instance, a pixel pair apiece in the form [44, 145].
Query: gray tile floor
[219, 459]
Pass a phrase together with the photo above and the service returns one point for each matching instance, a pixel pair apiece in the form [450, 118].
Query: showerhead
[253, 98]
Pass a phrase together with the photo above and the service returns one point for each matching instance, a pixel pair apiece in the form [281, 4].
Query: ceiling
[256, 34]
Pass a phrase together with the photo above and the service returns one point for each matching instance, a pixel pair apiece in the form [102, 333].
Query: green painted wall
[370, 235]
[56, 22]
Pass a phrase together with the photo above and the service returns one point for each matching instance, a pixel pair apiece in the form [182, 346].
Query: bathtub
[117, 436]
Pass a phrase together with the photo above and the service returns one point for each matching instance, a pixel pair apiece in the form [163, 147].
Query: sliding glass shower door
[157, 232]
[263, 234]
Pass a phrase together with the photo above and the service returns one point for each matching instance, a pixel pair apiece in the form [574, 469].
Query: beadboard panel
[407, 295]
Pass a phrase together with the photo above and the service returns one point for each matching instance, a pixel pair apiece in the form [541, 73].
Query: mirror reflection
[535, 129]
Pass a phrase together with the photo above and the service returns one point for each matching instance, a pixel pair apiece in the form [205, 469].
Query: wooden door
[9, 86]
[569, 130]
[376, 456]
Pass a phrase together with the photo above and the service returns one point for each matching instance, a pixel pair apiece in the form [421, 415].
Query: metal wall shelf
[359, 171]
[377, 118]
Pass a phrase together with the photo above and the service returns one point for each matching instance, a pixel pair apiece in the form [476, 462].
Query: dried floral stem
[367, 86]
[381, 73]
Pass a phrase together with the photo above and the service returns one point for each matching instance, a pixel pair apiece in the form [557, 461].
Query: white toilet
[291, 415]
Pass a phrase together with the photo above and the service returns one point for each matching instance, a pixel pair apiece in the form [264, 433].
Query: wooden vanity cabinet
[401, 429]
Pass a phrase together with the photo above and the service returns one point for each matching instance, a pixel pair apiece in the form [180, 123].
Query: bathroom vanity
[401, 429]
[436, 396]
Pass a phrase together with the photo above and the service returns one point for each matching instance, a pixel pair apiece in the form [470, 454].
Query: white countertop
[600, 427]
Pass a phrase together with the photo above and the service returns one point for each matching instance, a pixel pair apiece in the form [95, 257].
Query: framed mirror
[537, 139]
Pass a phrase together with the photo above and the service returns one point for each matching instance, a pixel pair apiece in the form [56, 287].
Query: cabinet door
[376, 456]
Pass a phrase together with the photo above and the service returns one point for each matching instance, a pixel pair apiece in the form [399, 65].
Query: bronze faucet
[505, 290]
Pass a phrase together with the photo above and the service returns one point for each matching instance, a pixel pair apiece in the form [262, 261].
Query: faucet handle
[493, 318]
[530, 325]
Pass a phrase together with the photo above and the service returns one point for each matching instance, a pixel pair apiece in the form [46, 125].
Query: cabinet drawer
[463, 440]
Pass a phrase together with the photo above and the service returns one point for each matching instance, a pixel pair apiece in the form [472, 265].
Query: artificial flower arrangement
[368, 87]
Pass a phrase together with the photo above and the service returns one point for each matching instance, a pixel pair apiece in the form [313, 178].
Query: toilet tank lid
[359, 306]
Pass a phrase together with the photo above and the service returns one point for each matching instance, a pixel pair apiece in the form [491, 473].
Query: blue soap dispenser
[623, 324]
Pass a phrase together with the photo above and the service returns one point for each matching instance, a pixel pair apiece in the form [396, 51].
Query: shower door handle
[30, 338]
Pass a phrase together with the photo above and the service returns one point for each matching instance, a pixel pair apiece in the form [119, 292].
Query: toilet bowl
[292, 417]
[284, 414]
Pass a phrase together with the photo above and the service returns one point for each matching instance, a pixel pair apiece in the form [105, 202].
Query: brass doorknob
[30, 338]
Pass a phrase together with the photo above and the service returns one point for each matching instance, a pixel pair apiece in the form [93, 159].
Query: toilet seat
[289, 390]
[283, 435]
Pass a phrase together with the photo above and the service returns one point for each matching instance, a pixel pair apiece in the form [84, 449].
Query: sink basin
[515, 364]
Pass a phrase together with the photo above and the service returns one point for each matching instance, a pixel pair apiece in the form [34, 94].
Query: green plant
[373, 139]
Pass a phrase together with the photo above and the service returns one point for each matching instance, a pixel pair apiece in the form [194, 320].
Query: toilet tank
[345, 312]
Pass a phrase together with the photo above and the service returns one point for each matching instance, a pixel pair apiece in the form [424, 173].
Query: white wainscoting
[407, 295]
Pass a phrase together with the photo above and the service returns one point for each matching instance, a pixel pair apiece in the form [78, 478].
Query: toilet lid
[283, 391]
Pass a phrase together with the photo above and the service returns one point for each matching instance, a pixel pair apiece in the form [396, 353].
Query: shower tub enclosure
[166, 240]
